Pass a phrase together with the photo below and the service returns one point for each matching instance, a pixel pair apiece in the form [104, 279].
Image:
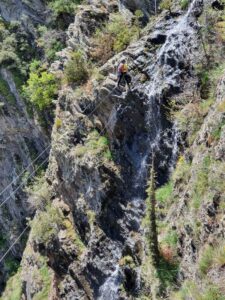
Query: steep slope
[21, 141]
[87, 240]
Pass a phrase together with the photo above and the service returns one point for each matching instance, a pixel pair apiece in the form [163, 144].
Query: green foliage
[41, 88]
[39, 192]
[164, 193]
[46, 224]
[76, 69]
[189, 119]
[5, 91]
[166, 5]
[46, 283]
[208, 77]
[115, 36]
[216, 132]
[94, 145]
[122, 33]
[15, 49]
[206, 260]
[73, 236]
[171, 238]
[191, 291]
[201, 182]
[51, 41]
[13, 290]
[212, 256]
[184, 4]
[182, 171]
[127, 261]
[167, 273]
[11, 265]
[63, 6]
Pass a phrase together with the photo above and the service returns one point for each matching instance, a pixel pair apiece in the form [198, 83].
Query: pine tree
[153, 236]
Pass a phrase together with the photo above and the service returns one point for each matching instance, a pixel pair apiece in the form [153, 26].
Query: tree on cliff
[151, 203]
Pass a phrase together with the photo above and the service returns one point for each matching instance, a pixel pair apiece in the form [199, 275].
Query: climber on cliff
[123, 74]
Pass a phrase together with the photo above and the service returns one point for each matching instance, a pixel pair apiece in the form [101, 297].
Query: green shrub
[115, 36]
[191, 291]
[41, 88]
[11, 265]
[189, 119]
[166, 4]
[94, 145]
[46, 283]
[171, 238]
[51, 41]
[46, 224]
[216, 132]
[14, 45]
[212, 256]
[182, 171]
[219, 256]
[76, 69]
[206, 260]
[127, 261]
[164, 193]
[38, 193]
[122, 32]
[5, 91]
[63, 6]
[201, 182]
[13, 290]
[184, 4]
[167, 273]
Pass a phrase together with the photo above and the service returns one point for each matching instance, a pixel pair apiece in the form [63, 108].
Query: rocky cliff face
[89, 241]
[21, 141]
[25, 11]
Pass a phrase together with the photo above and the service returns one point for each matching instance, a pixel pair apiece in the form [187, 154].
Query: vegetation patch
[11, 265]
[184, 4]
[94, 145]
[164, 193]
[191, 290]
[46, 224]
[212, 256]
[76, 70]
[182, 171]
[5, 91]
[62, 7]
[41, 88]
[114, 36]
[39, 194]
[73, 236]
[45, 278]
[13, 290]
[201, 182]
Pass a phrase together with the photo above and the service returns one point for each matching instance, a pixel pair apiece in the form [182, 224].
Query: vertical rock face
[20, 10]
[100, 161]
[147, 7]
[104, 197]
[21, 142]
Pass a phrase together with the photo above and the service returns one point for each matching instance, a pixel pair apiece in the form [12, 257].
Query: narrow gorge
[88, 167]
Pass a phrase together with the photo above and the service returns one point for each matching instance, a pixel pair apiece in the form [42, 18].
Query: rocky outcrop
[32, 12]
